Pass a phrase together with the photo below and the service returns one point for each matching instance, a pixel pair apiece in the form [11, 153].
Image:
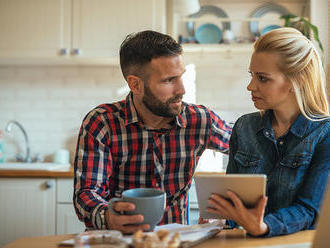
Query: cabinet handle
[64, 51]
[49, 184]
[76, 51]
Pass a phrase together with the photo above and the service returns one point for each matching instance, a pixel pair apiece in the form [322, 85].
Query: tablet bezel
[249, 187]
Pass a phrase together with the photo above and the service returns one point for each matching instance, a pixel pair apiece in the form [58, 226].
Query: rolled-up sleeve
[92, 170]
[219, 134]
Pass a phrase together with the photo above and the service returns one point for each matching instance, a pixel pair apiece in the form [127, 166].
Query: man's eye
[169, 80]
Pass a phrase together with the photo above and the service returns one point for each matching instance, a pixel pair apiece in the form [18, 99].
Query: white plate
[267, 11]
[205, 11]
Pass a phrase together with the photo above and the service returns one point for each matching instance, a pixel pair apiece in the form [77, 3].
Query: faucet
[9, 126]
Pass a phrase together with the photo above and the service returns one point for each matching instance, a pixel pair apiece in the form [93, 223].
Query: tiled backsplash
[51, 101]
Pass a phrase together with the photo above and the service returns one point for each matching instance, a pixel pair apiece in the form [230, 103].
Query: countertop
[52, 174]
[36, 173]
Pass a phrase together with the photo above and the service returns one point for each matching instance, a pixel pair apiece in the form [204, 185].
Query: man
[151, 139]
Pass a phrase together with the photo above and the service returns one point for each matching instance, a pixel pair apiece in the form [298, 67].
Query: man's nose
[180, 90]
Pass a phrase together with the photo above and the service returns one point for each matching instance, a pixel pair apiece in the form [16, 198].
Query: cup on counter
[61, 156]
[148, 202]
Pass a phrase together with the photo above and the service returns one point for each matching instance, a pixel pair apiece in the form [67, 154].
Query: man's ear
[135, 84]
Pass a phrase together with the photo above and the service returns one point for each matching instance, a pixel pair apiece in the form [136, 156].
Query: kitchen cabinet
[68, 31]
[27, 208]
[36, 207]
[66, 219]
[34, 28]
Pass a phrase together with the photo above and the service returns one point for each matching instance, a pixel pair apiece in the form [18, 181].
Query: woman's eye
[262, 78]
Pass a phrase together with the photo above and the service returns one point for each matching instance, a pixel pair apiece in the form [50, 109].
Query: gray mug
[148, 202]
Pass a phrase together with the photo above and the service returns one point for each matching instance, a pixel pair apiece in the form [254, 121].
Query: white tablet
[249, 187]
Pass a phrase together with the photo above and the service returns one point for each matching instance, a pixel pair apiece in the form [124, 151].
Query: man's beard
[159, 108]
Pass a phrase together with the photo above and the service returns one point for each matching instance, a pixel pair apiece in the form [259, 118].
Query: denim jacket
[296, 164]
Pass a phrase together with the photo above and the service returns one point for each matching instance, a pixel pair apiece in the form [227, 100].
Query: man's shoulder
[192, 109]
[108, 110]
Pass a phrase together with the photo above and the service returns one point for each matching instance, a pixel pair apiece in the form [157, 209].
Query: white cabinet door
[67, 221]
[34, 28]
[27, 208]
[51, 29]
[64, 190]
[100, 26]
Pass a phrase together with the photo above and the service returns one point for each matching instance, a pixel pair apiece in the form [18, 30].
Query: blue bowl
[269, 28]
[208, 33]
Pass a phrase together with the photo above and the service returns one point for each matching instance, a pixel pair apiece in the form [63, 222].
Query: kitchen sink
[34, 166]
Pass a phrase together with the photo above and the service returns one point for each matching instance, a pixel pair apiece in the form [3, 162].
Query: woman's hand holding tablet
[238, 197]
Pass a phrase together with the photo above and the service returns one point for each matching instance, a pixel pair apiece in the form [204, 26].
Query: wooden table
[226, 239]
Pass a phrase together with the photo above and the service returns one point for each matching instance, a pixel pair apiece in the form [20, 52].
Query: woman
[288, 140]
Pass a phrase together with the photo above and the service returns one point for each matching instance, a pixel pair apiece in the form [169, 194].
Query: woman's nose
[251, 85]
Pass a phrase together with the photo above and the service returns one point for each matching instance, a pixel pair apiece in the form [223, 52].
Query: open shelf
[235, 47]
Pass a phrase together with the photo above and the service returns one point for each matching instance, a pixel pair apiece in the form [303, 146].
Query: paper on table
[189, 234]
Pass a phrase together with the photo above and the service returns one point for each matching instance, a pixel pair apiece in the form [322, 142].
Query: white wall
[51, 101]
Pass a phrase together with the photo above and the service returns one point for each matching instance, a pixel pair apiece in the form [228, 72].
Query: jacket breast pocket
[247, 163]
[293, 169]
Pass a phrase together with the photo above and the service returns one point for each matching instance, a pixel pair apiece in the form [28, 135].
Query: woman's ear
[135, 84]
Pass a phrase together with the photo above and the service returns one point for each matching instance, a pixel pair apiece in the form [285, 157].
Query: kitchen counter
[36, 173]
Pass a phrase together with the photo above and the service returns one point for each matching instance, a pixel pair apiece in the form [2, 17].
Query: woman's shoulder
[253, 119]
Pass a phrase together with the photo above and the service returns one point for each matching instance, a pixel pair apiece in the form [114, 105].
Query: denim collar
[298, 128]
[133, 117]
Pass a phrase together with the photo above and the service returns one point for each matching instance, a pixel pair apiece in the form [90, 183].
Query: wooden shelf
[235, 47]
[229, 19]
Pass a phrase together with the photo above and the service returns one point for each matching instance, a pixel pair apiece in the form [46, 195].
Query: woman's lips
[254, 98]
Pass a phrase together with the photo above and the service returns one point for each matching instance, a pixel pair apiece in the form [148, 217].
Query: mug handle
[110, 204]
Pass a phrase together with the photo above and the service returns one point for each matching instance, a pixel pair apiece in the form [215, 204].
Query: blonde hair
[301, 64]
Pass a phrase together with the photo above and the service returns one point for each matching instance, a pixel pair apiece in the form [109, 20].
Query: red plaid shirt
[116, 152]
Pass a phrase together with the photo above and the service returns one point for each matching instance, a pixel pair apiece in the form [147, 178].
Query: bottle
[1, 148]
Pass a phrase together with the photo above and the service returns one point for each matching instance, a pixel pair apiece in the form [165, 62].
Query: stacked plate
[207, 33]
[267, 11]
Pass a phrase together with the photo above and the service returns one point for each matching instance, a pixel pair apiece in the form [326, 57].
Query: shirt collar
[132, 115]
[300, 125]
[298, 128]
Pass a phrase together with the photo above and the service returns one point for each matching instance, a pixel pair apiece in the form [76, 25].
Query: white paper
[189, 233]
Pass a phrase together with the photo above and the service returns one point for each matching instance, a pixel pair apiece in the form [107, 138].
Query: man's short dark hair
[138, 49]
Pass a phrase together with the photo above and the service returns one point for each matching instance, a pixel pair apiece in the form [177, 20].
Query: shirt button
[281, 142]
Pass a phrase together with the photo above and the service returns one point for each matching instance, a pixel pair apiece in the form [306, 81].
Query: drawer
[64, 190]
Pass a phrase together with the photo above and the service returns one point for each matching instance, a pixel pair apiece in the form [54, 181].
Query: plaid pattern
[116, 152]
